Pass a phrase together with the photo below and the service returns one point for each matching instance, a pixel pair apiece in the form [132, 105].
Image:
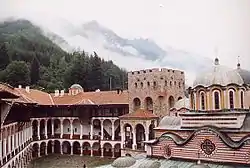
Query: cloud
[196, 26]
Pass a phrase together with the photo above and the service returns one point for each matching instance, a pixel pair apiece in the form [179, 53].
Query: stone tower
[155, 89]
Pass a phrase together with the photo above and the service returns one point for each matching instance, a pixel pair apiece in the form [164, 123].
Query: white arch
[213, 98]
[200, 95]
[228, 98]
[243, 98]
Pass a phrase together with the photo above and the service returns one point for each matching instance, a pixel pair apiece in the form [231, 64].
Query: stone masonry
[155, 89]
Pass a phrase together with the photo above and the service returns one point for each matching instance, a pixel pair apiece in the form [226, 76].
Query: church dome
[170, 121]
[182, 103]
[245, 74]
[125, 161]
[218, 75]
[199, 166]
[76, 86]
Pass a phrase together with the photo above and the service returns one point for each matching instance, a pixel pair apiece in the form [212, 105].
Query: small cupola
[216, 61]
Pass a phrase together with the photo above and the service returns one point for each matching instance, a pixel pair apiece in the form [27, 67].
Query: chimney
[20, 86]
[27, 89]
[62, 93]
[56, 93]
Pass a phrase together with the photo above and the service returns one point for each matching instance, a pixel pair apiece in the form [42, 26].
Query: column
[71, 129]
[71, 152]
[113, 152]
[102, 152]
[91, 130]
[122, 137]
[101, 129]
[52, 127]
[81, 131]
[208, 100]
[61, 149]
[53, 147]
[46, 150]
[38, 130]
[13, 143]
[9, 144]
[113, 130]
[61, 122]
[134, 139]
[45, 130]
[1, 157]
[39, 152]
[81, 150]
[146, 135]
[91, 151]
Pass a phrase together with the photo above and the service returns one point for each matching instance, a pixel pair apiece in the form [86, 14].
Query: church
[157, 117]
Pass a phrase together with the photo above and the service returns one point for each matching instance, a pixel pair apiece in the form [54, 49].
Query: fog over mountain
[132, 54]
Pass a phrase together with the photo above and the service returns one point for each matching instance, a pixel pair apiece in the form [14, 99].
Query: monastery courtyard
[68, 161]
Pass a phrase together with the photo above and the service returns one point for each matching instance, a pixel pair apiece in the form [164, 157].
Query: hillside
[28, 57]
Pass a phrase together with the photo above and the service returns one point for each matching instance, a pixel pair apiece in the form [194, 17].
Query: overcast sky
[197, 26]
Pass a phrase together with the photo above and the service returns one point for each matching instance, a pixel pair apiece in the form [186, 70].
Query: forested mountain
[28, 57]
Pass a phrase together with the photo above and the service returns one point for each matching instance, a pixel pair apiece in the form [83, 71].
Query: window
[166, 83]
[216, 100]
[241, 99]
[154, 84]
[231, 99]
[148, 83]
[135, 85]
[141, 85]
[202, 101]
[170, 83]
[75, 129]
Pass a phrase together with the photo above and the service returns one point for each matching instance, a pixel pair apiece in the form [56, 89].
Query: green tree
[34, 71]
[17, 73]
[96, 75]
[4, 57]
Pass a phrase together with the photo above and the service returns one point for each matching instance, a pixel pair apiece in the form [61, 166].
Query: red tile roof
[98, 98]
[139, 114]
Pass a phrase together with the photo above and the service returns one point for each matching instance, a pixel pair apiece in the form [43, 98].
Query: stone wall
[163, 87]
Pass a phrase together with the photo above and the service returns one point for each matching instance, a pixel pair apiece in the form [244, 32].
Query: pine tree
[34, 71]
[4, 57]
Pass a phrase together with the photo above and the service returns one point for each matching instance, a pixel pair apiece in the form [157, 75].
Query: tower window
[231, 99]
[154, 84]
[141, 85]
[148, 83]
[216, 100]
[241, 100]
[166, 83]
[202, 101]
[135, 85]
[170, 83]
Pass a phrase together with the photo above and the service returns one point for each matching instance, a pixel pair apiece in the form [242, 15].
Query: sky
[196, 26]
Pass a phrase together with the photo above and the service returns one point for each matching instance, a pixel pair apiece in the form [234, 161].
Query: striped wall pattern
[192, 150]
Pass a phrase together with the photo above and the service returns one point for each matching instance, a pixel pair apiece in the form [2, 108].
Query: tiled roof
[11, 92]
[35, 96]
[139, 114]
[98, 98]
[82, 98]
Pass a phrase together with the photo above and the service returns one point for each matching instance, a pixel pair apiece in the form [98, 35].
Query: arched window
[202, 101]
[216, 100]
[242, 99]
[231, 99]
